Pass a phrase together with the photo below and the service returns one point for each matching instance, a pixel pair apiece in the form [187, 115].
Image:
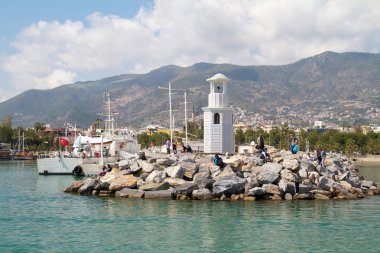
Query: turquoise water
[36, 216]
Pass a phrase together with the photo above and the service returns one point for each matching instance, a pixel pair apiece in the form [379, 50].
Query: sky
[45, 44]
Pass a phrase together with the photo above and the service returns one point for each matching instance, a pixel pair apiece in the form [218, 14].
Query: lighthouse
[218, 119]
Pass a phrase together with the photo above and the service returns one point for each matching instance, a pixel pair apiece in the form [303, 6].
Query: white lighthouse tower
[218, 121]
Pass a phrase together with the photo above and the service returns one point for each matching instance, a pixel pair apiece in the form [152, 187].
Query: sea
[37, 216]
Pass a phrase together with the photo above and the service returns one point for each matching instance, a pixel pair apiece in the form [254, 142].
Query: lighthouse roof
[218, 78]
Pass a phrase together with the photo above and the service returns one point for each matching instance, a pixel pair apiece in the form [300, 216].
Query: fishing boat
[90, 153]
[5, 151]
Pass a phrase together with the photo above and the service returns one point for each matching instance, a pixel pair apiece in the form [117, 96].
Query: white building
[218, 120]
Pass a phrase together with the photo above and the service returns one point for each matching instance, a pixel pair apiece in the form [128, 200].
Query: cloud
[245, 32]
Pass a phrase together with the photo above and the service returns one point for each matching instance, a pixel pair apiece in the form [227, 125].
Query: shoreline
[370, 160]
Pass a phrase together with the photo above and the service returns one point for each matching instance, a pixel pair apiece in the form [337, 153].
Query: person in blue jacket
[294, 146]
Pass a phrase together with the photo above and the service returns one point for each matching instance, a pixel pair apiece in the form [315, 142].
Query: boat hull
[66, 165]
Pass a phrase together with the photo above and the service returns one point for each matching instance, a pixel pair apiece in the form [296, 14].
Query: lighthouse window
[216, 118]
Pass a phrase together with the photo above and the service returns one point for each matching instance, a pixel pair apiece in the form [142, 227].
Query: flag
[63, 141]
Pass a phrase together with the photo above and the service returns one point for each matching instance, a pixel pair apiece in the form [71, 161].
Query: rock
[271, 189]
[190, 169]
[74, 187]
[272, 168]
[327, 183]
[306, 188]
[88, 186]
[228, 185]
[175, 171]
[278, 159]
[175, 181]
[308, 196]
[135, 167]
[187, 159]
[201, 174]
[276, 197]
[287, 175]
[354, 181]
[251, 182]
[121, 182]
[288, 196]
[147, 166]
[287, 187]
[204, 183]
[155, 186]
[226, 172]
[140, 182]
[123, 164]
[249, 198]
[156, 177]
[247, 167]
[102, 186]
[237, 197]
[267, 178]
[165, 161]
[185, 189]
[290, 164]
[163, 194]
[320, 196]
[215, 171]
[105, 193]
[346, 185]
[202, 194]
[321, 192]
[366, 184]
[130, 193]
[151, 160]
[257, 192]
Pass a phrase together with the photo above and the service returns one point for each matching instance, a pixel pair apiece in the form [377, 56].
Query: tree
[350, 147]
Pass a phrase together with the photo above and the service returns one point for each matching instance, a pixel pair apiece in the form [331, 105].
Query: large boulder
[287, 175]
[257, 192]
[202, 194]
[130, 193]
[328, 184]
[190, 169]
[272, 168]
[204, 182]
[185, 189]
[367, 184]
[175, 171]
[291, 164]
[162, 194]
[267, 178]
[165, 161]
[88, 186]
[251, 182]
[155, 186]
[156, 177]
[147, 166]
[128, 181]
[228, 185]
[174, 182]
[226, 172]
[74, 187]
[271, 189]
[287, 187]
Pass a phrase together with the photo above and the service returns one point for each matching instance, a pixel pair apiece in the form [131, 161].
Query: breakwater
[242, 177]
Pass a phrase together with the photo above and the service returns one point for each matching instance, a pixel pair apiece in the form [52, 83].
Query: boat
[90, 153]
[21, 154]
[5, 151]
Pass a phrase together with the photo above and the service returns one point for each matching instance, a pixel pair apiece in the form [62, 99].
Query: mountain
[336, 87]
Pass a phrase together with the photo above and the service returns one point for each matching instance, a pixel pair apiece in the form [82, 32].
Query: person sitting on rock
[314, 177]
[264, 155]
[189, 149]
[218, 161]
[294, 147]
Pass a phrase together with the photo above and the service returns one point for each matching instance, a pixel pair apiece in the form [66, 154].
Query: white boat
[90, 154]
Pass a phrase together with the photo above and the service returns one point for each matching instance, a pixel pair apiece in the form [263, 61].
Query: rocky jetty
[243, 177]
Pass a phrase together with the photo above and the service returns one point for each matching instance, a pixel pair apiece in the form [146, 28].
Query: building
[218, 119]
